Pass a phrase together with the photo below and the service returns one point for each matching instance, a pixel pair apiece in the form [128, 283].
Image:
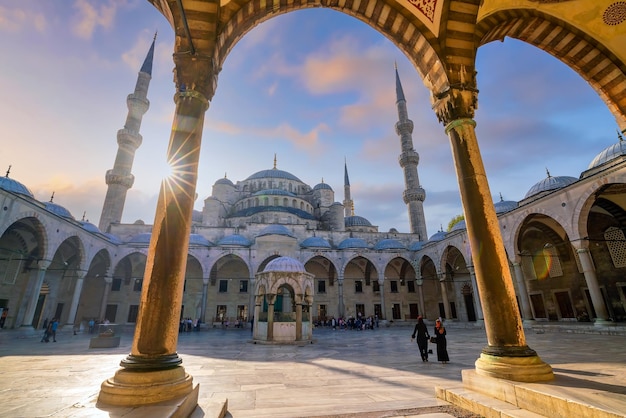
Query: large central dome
[275, 174]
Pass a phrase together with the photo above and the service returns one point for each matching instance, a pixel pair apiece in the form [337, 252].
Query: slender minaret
[348, 205]
[120, 179]
[413, 194]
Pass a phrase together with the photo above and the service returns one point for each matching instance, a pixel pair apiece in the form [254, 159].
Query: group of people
[420, 332]
[188, 325]
[50, 330]
[359, 323]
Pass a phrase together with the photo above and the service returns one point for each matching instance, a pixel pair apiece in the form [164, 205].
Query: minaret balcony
[129, 139]
[414, 195]
[404, 126]
[409, 158]
[137, 105]
[125, 180]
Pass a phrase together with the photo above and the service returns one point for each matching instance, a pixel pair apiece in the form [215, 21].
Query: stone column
[381, 286]
[299, 319]
[527, 313]
[108, 281]
[475, 295]
[444, 297]
[34, 295]
[271, 299]
[420, 295]
[258, 300]
[78, 287]
[205, 295]
[251, 300]
[341, 307]
[507, 354]
[152, 372]
[602, 316]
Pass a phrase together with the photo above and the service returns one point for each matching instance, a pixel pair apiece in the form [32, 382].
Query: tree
[454, 221]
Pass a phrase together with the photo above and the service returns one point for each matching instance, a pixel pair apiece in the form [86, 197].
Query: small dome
[504, 206]
[315, 242]
[608, 154]
[275, 229]
[287, 264]
[235, 239]
[143, 238]
[275, 174]
[274, 192]
[416, 246]
[389, 244]
[88, 226]
[460, 225]
[113, 238]
[225, 182]
[197, 239]
[14, 186]
[322, 186]
[438, 236]
[550, 183]
[58, 210]
[352, 243]
[356, 221]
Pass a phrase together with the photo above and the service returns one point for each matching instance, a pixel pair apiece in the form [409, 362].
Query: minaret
[413, 194]
[348, 205]
[119, 178]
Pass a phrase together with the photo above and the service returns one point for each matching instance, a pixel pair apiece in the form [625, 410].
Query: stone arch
[594, 62]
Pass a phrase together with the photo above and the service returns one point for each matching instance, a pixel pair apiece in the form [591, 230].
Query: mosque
[564, 241]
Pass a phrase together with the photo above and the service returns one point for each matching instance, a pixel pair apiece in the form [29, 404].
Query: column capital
[195, 74]
[456, 102]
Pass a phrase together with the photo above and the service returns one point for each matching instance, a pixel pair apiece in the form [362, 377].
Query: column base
[138, 388]
[520, 369]
[603, 323]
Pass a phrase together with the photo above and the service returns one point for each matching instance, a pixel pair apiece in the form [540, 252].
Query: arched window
[616, 242]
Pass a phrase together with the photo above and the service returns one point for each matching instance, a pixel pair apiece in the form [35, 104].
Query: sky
[315, 87]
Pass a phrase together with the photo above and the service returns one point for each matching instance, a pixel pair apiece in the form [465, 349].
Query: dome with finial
[57, 209]
[285, 264]
[322, 186]
[504, 206]
[14, 186]
[550, 183]
[225, 181]
[438, 236]
[356, 221]
[273, 173]
[610, 153]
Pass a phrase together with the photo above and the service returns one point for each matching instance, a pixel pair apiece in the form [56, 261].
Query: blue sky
[314, 87]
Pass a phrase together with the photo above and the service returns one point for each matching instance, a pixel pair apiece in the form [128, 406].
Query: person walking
[442, 343]
[53, 328]
[421, 332]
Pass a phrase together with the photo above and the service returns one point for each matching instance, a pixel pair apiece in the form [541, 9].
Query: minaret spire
[348, 204]
[414, 195]
[119, 179]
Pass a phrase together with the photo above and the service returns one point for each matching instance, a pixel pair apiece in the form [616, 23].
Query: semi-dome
[460, 225]
[285, 264]
[143, 238]
[58, 210]
[315, 242]
[356, 221]
[352, 243]
[273, 173]
[14, 186]
[609, 153]
[438, 236]
[197, 239]
[389, 244]
[275, 229]
[88, 226]
[322, 186]
[275, 192]
[235, 240]
[550, 183]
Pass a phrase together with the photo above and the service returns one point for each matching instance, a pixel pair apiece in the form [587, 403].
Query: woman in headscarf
[421, 332]
[442, 343]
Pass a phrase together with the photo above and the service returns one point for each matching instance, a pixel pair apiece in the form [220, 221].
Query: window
[321, 286]
[110, 313]
[133, 310]
[220, 313]
[360, 310]
[410, 286]
[616, 243]
[116, 285]
[321, 310]
[243, 286]
[553, 263]
[394, 286]
[137, 285]
[242, 313]
[358, 286]
[395, 311]
[223, 286]
[376, 286]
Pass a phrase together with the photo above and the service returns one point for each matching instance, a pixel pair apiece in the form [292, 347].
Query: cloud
[89, 17]
[17, 19]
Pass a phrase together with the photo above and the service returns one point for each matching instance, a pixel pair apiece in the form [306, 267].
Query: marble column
[271, 299]
[108, 281]
[78, 287]
[299, 319]
[258, 300]
[34, 294]
[475, 295]
[341, 307]
[507, 355]
[205, 295]
[602, 316]
[420, 295]
[383, 308]
[444, 297]
[527, 313]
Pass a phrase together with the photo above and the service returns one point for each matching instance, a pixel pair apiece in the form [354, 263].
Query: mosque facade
[564, 240]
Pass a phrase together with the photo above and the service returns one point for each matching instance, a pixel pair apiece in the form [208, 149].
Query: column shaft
[444, 297]
[78, 287]
[108, 281]
[475, 294]
[527, 313]
[592, 283]
[34, 298]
